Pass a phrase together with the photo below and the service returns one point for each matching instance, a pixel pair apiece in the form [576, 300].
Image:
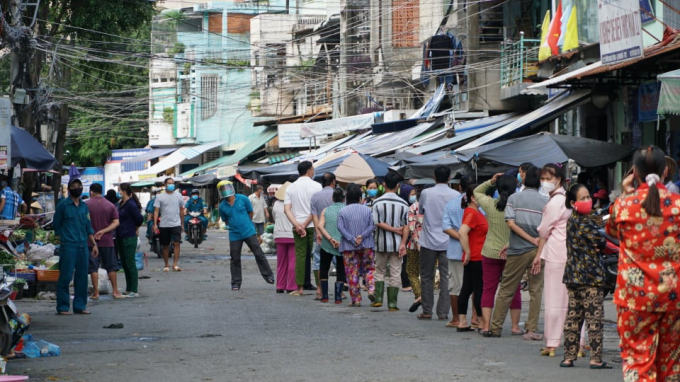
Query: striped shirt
[12, 202]
[354, 220]
[526, 209]
[393, 211]
[331, 226]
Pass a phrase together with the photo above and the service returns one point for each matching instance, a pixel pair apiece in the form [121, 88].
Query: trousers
[584, 304]
[354, 261]
[285, 264]
[325, 266]
[473, 282]
[428, 258]
[515, 267]
[126, 252]
[73, 265]
[381, 261]
[650, 343]
[235, 248]
[492, 270]
[303, 247]
[413, 270]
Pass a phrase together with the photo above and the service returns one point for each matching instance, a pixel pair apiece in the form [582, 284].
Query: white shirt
[299, 196]
[259, 204]
[283, 228]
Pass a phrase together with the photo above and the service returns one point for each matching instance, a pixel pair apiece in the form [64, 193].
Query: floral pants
[585, 303]
[413, 270]
[650, 345]
[355, 261]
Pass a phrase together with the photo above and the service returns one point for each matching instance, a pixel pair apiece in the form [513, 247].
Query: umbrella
[25, 147]
[73, 172]
[543, 148]
[425, 165]
[353, 168]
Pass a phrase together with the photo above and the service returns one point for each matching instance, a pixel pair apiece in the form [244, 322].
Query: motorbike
[194, 229]
[610, 259]
[156, 242]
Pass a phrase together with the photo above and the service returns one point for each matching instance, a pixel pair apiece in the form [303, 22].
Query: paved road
[189, 326]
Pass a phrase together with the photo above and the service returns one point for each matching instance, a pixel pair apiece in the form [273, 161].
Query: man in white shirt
[260, 213]
[298, 209]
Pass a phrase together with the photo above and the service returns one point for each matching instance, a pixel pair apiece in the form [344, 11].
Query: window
[405, 23]
[275, 55]
[185, 88]
[316, 94]
[208, 95]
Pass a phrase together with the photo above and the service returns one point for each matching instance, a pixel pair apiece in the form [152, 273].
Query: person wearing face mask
[72, 224]
[552, 252]
[196, 204]
[371, 192]
[583, 277]
[236, 211]
[170, 207]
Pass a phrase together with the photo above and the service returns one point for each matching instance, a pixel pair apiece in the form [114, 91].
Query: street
[190, 326]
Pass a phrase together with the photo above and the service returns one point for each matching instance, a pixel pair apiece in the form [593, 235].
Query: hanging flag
[571, 39]
[544, 50]
[567, 7]
[554, 33]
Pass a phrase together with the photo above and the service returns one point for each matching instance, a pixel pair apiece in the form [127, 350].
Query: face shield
[226, 190]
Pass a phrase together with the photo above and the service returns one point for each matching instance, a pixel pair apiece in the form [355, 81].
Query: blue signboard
[93, 175]
[117, 155]
[648, 101]
[646, 11]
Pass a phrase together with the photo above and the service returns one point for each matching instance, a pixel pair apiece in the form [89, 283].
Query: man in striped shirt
[390, 215]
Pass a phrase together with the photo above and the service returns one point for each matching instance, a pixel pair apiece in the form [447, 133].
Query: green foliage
[177, 48]
[169, 115]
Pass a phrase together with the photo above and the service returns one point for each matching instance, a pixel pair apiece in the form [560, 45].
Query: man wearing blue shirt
[196, 204]
[72, 224]
[9, 202]
[236, 211]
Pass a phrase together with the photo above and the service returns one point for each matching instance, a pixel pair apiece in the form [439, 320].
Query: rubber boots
[324, 290]
[377, 297]
[392, 293]
[338, 292]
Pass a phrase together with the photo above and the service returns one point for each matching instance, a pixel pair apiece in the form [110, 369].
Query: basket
[48, 275]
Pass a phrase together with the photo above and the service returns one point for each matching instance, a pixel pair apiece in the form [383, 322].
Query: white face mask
[548, 187]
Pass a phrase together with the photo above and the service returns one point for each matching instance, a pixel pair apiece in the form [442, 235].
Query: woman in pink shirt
[552, 250]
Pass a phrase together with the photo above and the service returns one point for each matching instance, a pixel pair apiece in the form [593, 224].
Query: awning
[467, 130]
[432, 105]
[319, 153]
[392, 126]
[387, 142]
[202, 180]
[566, 76]
[251, 146]
[669, 96]
[151, 154]
[281, 157]
[149, 182]
[179, 156]
[334, 126]
[538, 117]
[25, 147]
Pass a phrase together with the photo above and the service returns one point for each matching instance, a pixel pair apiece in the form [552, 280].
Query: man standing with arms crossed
[260, 213]
[320, 201]
[434, 242]
[170, 207]
[104, 217]
[297, 206]
[390, 215]
[72, 224]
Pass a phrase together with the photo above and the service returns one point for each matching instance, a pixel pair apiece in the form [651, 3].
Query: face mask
[118, 195]
[75, 192]
[412, 199]
[583, 207]
[548, 187]
[194, 197]
[363, 195]
[35, 199]
[170, 187]
[372, 193]
[519, 178]
[224, 193]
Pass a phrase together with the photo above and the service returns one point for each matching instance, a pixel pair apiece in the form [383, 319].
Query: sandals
[355, 305]
[466, 329]
[565, 364]
[414, 307]
[295, 293]
[235, 287]
[603, 365]
[166, 269]
[424, 317]
[490, 334]
[545, 352]
[532, 336]
[269, 280]
[82, 312]
[452, 324]
[176, 268]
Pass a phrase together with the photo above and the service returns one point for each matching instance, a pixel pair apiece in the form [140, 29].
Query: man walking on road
[260, 213]
[434, 243]
[236, 211]
[523, 214]
[390, 215]
[320, 201]
[170, 207]
[72, 224]
[298, 208]
[104, 217]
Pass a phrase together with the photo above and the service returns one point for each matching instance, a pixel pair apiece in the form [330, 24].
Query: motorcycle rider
[196, 204]
[236, 211]
[149, 215]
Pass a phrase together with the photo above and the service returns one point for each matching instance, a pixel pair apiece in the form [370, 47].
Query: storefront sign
[289, 136]
[648, 100]
[620, 30]
[5, 134]
[334, 126]
[646, 11]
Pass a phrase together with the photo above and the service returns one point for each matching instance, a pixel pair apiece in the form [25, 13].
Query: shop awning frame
[151, 154]
[179, 156]
[669, 95]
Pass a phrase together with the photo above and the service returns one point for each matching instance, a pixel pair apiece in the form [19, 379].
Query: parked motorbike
[610, 259]
[156, 242]
[194, 229]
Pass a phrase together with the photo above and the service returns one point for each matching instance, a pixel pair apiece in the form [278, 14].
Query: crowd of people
[478, 242]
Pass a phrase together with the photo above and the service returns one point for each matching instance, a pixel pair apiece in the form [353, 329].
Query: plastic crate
[26, 275]
[46, 286]
[52, 276]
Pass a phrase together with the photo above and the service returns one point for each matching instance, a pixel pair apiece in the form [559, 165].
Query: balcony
[519, 65]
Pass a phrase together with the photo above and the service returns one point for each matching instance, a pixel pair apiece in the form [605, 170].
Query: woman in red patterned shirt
[647, 221]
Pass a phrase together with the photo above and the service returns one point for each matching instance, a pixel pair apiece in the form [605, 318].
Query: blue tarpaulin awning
[25, 147]
[151, 154]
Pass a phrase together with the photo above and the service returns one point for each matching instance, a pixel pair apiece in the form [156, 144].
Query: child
[584, 277]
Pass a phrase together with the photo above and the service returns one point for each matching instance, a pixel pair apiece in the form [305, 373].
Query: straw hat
[281, 192]
[35, 194]
[36, 206]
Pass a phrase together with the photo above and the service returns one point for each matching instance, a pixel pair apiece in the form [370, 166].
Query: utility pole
[342, 70]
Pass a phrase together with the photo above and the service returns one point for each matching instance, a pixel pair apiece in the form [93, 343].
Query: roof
[294, 119]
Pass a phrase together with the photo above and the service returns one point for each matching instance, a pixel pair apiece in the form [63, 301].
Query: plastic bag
[139, 260]
[42, 348]
[104, 283]
[139, 244]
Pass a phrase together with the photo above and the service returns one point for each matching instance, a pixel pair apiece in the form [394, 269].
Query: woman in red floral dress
[647, 221]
